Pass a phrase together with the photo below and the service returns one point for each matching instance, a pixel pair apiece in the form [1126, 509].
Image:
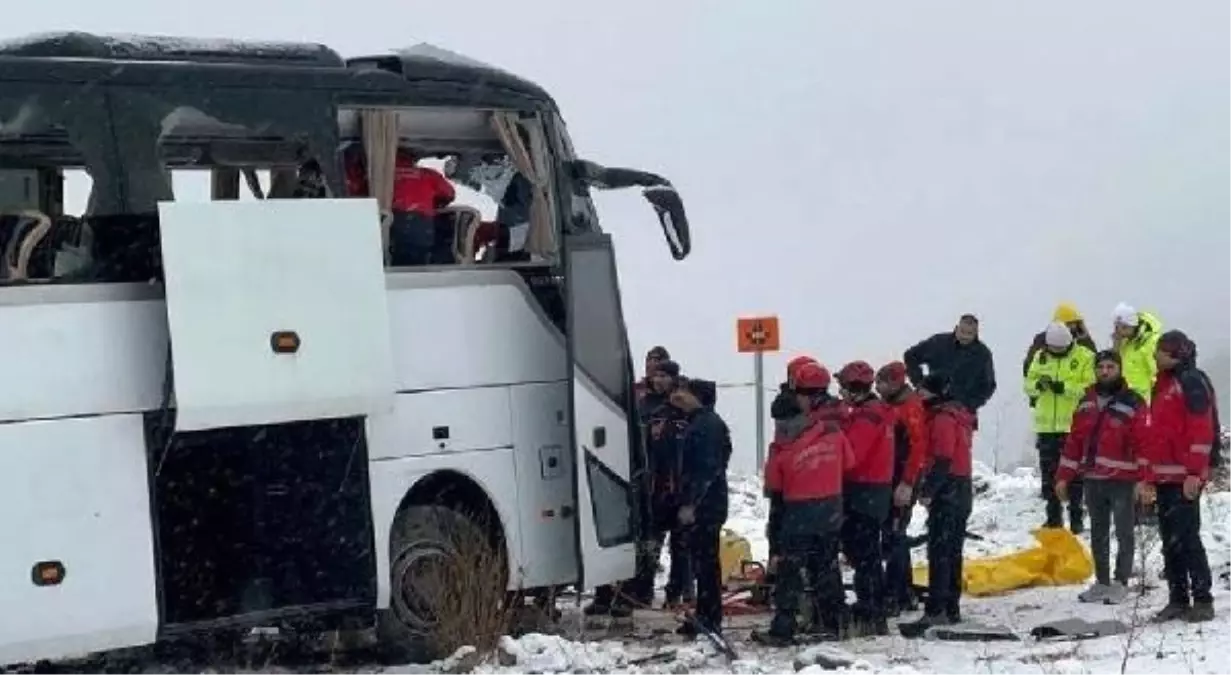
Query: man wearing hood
[1110, 431]
[1067, 314]
[962, 358]
[947, 494]
[1135, 336]
[1055, 383]
[1176, 468]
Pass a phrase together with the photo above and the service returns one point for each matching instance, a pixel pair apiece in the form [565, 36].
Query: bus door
[606, 435]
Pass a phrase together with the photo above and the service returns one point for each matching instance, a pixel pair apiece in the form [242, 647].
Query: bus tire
[421, 534]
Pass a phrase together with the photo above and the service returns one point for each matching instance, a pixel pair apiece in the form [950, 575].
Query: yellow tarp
[733, 550]
[1060, 559]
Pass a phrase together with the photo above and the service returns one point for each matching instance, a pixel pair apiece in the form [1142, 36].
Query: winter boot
[1077, 522]
[1116, 593]
[1174, 611]
[1200, 612]
[1096, 593]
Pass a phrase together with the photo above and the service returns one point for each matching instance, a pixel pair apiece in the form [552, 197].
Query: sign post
[757, 335]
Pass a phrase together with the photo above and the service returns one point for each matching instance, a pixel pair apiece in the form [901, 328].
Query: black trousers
[703, 542]
[1050, 447]
[861, 542]
[947, 518]
[1184, 560]
[897, 555]
[679, 578]
[815, 553]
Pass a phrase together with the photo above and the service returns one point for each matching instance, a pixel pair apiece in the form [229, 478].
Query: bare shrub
[462, 593]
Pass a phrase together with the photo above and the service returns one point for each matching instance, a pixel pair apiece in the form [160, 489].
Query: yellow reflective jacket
[1074, 369]
[1137, 354]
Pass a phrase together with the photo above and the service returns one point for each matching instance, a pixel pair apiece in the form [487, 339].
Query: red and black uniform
[415, 236]
[910, 430]
[1182, 437]
[806, 471]
[867, 497]
[1109, 432]
[947, 485]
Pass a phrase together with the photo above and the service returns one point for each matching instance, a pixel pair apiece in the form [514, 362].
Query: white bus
[246, 412]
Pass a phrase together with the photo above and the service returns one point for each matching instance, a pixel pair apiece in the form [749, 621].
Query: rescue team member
[909, 446]
[1135, 335]
[1055, 383]
[946, 492]
[664, 425]
[1067, 314]
[867, 493]
[1110, 431]
[806, 469]
[1176, 468]
[418, 193]
[785, 423]
[706, 450]
[962, 358]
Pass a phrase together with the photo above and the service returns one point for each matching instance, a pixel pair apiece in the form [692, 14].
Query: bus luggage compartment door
[277, 311]
[76, 546]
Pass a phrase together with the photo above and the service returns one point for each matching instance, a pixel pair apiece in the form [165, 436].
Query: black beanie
[1108, 355]
[706, 391]
[668, 368]
[936, 383]
[785, 406]
[659, 353]
[1176, 343]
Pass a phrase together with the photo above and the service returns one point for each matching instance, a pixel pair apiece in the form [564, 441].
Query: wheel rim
[409, 570]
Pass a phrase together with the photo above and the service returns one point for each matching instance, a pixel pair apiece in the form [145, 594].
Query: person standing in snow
[705, 450]
[1067, 314]
[1176, 467]
[1135, 336]
[664, 427]
[947, 493]
[867, 493]
[962, 358]
[909, 447]
[806, 469]
[1055, 383]
[1109, 432]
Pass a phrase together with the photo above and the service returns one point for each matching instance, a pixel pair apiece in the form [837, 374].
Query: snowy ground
[1005, 514]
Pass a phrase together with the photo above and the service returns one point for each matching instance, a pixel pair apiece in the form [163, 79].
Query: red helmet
[856, 372]
[810, 376]
[793, 365]
[893, 372]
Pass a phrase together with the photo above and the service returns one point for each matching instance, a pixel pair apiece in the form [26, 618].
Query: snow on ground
[1004, 515]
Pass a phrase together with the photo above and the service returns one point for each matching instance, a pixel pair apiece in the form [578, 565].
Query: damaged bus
[237, 409]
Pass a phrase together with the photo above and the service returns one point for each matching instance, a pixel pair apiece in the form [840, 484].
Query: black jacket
[705, 451]
[972, 375]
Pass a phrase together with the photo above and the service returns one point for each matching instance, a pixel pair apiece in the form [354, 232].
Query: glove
[1057, 387]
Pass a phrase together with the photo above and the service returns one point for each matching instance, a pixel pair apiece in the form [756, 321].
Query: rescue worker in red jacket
[947, 494]
[418, 193]
[782, 411]
[1109, 431]
[806, 469]
[909, 447]
[867, 493]
[1176, 468]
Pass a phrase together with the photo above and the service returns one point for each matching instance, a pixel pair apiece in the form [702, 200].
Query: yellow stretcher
[1060, 559]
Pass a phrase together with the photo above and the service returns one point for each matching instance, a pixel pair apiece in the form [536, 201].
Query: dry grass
[466, 593]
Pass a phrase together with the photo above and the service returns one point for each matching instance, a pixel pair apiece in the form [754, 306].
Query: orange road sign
[757, 334]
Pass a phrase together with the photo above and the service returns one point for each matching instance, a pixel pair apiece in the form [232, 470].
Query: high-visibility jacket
[1137, 355]
[1073, 371]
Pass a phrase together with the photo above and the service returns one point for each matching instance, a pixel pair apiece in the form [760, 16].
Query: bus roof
[419, 75]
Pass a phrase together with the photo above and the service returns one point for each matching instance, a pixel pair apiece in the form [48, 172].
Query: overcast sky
[866, 171]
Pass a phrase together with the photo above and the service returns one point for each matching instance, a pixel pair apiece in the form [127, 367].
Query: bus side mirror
[670, 211]
[658, 192]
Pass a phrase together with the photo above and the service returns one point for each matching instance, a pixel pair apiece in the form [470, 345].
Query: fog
[865, 172]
